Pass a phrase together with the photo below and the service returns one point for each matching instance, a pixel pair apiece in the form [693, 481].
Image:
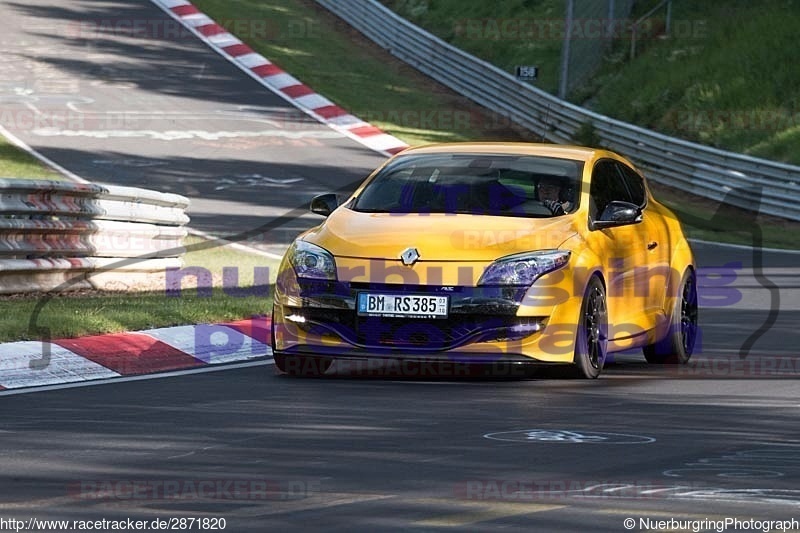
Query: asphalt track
[365, 449]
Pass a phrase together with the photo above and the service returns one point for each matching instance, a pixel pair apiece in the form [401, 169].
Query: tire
[272, 328]
[677, 346]
[302, 365]
[591, 340]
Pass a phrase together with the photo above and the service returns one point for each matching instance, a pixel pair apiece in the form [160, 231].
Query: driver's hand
[555, 207]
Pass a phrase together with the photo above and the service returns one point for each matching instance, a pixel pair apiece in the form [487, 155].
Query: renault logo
[409, 256]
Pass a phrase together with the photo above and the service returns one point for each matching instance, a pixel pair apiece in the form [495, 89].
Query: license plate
[403, 305]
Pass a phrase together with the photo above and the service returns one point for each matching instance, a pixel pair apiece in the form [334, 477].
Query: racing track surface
[350, 454]
[357, 451]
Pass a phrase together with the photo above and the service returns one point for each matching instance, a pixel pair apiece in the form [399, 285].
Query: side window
[607, 186]
[635, 184]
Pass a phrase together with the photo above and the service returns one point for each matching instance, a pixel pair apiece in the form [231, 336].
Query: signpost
[527, 72]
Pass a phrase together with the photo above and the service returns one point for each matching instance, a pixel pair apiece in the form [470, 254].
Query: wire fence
[592, 27]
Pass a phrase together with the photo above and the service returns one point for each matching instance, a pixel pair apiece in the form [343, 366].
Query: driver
[551, 194]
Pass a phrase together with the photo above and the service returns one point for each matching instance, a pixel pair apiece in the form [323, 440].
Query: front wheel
[678, 345]
[591, 341]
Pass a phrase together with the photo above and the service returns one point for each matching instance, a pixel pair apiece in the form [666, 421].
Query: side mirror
[618, 213]
[324, 204]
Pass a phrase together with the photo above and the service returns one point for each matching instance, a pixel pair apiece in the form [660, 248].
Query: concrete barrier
[57, 235]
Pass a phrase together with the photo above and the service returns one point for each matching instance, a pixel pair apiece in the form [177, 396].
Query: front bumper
[319, 318]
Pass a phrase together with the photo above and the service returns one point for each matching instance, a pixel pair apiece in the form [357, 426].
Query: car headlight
[312, 261]
[524, 268]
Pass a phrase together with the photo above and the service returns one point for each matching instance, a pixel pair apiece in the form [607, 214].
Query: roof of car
[579, 153]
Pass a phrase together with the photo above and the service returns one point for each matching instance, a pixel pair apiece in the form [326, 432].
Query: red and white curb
[23, 365]
[277, 80]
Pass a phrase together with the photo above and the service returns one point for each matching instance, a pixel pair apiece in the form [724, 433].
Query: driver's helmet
[556, 185]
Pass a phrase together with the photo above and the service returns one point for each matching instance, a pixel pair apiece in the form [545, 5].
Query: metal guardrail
[52, 232]
[747, 182]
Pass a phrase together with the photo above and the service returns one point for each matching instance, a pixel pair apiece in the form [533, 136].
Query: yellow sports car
[508, 253]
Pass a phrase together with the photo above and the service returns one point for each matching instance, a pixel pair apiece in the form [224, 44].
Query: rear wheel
[678, 345]
[591, 341]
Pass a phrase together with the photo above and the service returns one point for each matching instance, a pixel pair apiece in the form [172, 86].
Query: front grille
[384, 332]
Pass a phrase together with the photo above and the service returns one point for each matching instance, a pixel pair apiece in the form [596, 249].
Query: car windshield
[477, 184]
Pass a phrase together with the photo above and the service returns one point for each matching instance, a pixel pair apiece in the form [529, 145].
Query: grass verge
[506, 34]
[718, 78]
[337, 61]
[18, 164]
[91, 312]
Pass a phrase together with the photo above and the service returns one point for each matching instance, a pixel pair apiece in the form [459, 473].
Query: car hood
[437, 236]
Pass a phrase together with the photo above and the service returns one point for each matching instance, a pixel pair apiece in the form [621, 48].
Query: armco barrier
[747, 182]
[52, 232]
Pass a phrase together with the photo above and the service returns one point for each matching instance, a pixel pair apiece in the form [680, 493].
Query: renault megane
[489, 252]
